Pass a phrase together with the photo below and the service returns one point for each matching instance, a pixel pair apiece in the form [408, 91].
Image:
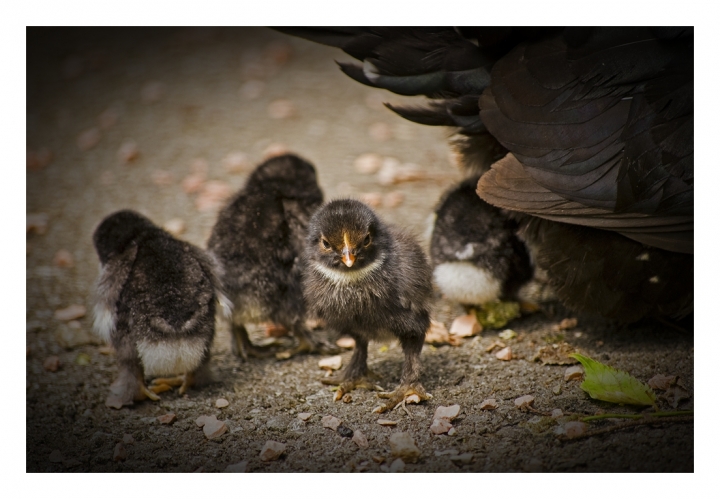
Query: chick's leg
[129, 386]
[184, 381]
[307, 344]
[410, 388]
[241, 345]
[356, 373]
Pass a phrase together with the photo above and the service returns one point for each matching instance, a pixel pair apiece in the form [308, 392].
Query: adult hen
[590, 135]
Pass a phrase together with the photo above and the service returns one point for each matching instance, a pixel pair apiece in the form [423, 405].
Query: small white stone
[360, 439]
[488, 405]
[214, 428]
[368, 163]
[449, 412]
[574, 428]
[397, 466]
[331, 422]
[440, 426]
[345, 342]
[272, 450]
[403, 446]
[573, 372]
[556, 413]
[504, 354]
[465, 326]
[386, 422]
[330, 363]
[304, 416]
[220, 403]
[524, 401]
[452, 431]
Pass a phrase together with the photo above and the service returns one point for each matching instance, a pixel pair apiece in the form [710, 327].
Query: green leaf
[494, 315]
[606, 383]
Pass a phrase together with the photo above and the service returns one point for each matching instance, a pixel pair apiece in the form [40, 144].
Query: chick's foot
[309, 346]
[184, 381]
[413, 393]
[348, 385]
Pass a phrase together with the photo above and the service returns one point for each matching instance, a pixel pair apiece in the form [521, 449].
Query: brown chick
[369, 281]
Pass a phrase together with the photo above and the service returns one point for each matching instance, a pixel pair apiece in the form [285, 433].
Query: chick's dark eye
[366, 241]
[325, 243]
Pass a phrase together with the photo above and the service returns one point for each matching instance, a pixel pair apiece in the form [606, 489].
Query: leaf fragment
[603, 382]
[495, 315]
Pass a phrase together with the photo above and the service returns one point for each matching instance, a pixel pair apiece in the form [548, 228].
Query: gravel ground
[183, 95]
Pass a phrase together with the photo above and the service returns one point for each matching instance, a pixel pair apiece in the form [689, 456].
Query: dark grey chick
[369, 281]
[257, 241]
[155, 304]
[476, 254]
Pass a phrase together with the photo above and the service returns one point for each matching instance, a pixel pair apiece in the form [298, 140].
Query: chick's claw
[413, 393]
[184, 381]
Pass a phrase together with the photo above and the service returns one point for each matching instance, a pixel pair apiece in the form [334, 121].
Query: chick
[369, 281]
[155, 304]
[257, 241]
[476, 254]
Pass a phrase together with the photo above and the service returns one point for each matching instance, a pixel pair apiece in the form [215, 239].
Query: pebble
[331, 422]
[71, 336]
[175, 226]
[556, 413]
[51, 363]
[213, 195]
[271, 450]
[452, 431]
[508, 334]
[344, 431]
[275, 149]
[330, 363]
[168, 419]
[573, 429]
[440, 426]
[488, 405]
[360, 439]
[128, 151]
[252, 89]
[393, 199]
[345, 342]
[236, 162]
[403, 446]
[397, 466]
[465, 326]
[193, 182]
[56, 457]
[368, 163]
[70, 313]
[108, 118]
[661, 382]
[120, 453]
[380, 131]
[281, 109]
[37, 160]
[128, 439]
[567, 323]
[372, 199]
[447, 412]
[504, 354]
[88, 139]
[304, 415]
[213, 428]
[386, 422]
[152, 92]
[63, 258]
[36, 222]
[220, 403]
[200, 421]
[574, 372]
[465, 458]
[347, 398]
[236, 468]
[524, 401]
[438, 334]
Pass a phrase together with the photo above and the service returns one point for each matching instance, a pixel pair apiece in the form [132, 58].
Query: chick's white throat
[348, 276]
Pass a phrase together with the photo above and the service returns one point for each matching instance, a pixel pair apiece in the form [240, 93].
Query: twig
[629, 424]
[638, 416]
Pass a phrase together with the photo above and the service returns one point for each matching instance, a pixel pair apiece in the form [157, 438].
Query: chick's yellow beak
[347, 257]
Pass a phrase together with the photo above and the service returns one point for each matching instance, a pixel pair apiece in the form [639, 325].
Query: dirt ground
[185, 94]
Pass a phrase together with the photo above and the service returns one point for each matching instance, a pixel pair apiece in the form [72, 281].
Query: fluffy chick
[476, 254]
[155, 304]
[369, 281]
[257, 241]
